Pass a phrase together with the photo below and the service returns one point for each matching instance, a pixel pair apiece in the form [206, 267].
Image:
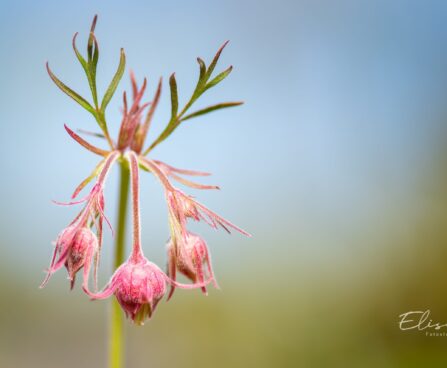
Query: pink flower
[76, 245]
[139, 285]
[84, 246]
[190, 258]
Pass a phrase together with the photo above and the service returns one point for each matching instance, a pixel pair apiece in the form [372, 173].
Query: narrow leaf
[84, 143]
[94, 61]
[114, 83]
[67, 90]
[215, 59]
[202, 70]
[200, 87]
[87, 69]
[219, 78]
[176, 117]
[92, 67]
[90, 39]
[78, 54]
[173, 124]
[208, 109]
[174, 96]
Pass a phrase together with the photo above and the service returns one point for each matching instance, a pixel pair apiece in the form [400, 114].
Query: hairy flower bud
[75, 246]
[138, 286]
[190, 257]
[84, 244]
[139, 289]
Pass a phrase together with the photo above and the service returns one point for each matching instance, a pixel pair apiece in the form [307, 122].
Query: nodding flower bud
[75, 246]
[84, 245]
[139, 289]
[138, 285]
[190, 257]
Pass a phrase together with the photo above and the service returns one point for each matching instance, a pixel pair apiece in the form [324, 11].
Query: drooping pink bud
[140, 289]
[75, 247]
[191, 258]
[84, 245]
[77, 244]
[138, 285]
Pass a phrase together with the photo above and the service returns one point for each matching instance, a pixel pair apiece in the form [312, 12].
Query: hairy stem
[137, 253]
[116, 342]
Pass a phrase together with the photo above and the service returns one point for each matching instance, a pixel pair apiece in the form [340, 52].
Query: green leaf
[201, 87]
[174, 121]
[208, 109]
[204, 76]
[202, 70]
[92, 67]
[94, 61]
[219, 78]
[215, 59]
[90, 39]
[114, 83]
[91, 77]
[67, 90]
[174, 97]
[78, 54]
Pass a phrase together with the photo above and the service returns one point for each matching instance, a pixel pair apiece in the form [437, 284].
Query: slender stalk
[137, 253]
[116, 342]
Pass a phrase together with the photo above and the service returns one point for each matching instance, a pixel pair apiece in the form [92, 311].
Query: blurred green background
[336, 164]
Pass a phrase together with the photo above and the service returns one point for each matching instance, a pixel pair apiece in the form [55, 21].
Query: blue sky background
[344, 109]
[334, 153]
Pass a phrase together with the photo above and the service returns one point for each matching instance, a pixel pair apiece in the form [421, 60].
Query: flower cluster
[137, 284]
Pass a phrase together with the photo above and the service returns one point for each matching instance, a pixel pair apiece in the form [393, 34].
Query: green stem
[116, 342]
